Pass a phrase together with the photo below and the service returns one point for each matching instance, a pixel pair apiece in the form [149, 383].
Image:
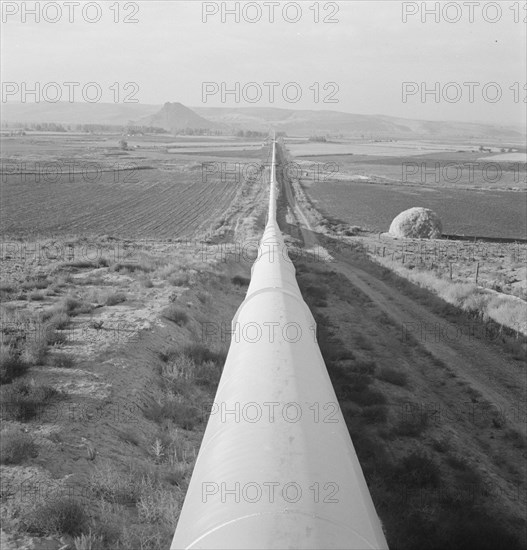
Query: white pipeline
[276, 468]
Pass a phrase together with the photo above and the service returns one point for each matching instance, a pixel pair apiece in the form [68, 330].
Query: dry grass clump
[200, 353]
[115, 298]
[68, 306]
[25, 400]
[129, 435]
[241, 281]
[179, 279]
[37, 283]
[7, 288]
[139, 486]
[36, 296]
[418, 469]
[183, 414]
[143, 264]
[11, 365]
[112, 485]
[62, 361]
[509, 313]
[90, 281]
[55, 517]
[74, 306]
[182, 366]
[190, 374]
[159, 505]
[35, 351]
[204, 297]
[54, 337]
[88, 541]
[16, 446]
[87, 264]
[176, 315]
[164, 271]
[506, 310]
[59, 320]
[477, 303]
[393, 376]
[145, 281]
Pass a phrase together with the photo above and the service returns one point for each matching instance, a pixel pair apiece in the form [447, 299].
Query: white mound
[416, 223]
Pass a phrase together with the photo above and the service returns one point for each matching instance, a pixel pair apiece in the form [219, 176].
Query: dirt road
[496, 379]
[499, 380]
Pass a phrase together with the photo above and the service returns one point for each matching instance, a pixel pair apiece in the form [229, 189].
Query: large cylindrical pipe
[276, 468]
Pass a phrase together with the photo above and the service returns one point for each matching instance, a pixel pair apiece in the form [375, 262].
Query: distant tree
[123, 144]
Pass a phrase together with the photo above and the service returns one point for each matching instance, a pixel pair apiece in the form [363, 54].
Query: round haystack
[416, 223]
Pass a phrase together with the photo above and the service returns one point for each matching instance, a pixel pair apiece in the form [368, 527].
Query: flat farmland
[474, 192]
[461, 166]
[78, 184]
[302, 148]
[463, 212]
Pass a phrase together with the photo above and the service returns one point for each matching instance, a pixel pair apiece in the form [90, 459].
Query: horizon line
[521, 126]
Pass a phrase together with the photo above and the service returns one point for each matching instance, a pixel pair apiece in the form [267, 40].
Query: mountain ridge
[174, 116]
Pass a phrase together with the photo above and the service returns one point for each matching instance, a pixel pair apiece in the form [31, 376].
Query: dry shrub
[60, 516]
[158, 505]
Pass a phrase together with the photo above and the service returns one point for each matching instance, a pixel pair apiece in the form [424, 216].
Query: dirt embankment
[105, 393]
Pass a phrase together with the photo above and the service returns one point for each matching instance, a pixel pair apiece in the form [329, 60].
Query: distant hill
[175, 116]
[170, 116]
[303, 122]
[64, 112]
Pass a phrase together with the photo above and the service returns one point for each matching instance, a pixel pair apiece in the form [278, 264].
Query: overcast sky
[369, 53]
